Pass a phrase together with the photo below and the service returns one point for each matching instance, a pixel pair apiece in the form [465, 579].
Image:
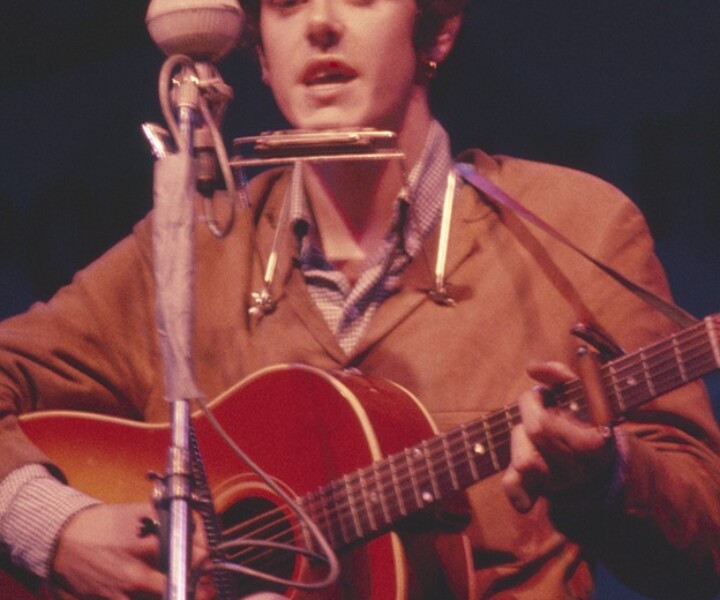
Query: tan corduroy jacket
[518, 293]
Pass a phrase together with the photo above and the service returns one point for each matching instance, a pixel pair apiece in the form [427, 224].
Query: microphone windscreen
[204, 30]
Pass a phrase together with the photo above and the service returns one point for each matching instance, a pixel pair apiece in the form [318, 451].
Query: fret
[454, 484]
[378, 495]
[647, 371]
[396, 486]
[620, 400]
[417, 493]
[482, 455]
[352, 505]
[370, 500]
[332, 526]
[341, 511]
[677, 350]
[309, 504]
[512, 417]
[393, 499]
[365, 509]
[372, 514]
[714, 343]
[480, 450]
[470, 452]
[432, 473]
[458, 448]
[376, 491]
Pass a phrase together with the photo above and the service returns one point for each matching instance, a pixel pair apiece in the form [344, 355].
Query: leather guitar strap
[492, 191]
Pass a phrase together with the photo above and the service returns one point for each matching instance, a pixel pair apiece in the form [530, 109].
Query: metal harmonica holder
[297, 146]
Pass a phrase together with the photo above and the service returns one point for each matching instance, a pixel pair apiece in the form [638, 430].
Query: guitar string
[624, 375]
[418, 471]
[646, 357]
[665, 347]
[423, 474]
[647, 362]
[652, 352]
[420, 475]
[664, 352]
[405, 475]
[408, 474]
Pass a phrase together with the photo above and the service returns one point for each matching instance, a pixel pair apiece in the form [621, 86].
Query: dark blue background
[628, 90]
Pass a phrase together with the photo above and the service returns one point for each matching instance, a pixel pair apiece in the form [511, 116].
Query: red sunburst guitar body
[303, 426]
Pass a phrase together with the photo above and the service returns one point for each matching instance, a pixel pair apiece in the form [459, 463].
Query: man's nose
[325, 27]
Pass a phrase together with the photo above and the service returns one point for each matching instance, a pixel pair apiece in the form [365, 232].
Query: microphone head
[204, 30]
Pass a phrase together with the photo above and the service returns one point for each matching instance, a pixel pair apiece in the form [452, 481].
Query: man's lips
[328, 72]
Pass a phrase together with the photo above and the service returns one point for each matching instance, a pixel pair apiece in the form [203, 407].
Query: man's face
[339, 63]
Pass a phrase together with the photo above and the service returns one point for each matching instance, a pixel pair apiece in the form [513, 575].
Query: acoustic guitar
[360, 455]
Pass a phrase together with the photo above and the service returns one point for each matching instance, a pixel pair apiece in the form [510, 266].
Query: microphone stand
[178, 483]
[173, 259]
[203, 30]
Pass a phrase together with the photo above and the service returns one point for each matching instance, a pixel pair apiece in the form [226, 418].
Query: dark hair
[432, 14]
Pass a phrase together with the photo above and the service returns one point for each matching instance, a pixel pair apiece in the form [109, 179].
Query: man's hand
[552, 452]
[101, 554]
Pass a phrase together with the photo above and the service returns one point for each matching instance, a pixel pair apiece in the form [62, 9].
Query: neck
[353, 202]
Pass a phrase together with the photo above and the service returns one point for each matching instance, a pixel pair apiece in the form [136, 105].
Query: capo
[591, 334]
[589, 364]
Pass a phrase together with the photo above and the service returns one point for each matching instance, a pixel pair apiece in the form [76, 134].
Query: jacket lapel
[288, 282]
[419, 277]
[469, 211]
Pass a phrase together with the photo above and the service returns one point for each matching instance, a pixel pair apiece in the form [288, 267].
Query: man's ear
[445, 40]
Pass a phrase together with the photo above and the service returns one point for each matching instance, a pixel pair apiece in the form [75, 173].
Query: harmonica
[294, 145]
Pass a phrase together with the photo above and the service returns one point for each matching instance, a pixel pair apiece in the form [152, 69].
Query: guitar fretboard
[372, 499]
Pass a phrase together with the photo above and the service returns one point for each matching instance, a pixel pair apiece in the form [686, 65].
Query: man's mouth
[328, 72]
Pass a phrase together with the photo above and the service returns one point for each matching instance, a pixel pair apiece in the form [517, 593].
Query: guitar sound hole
[259, 519]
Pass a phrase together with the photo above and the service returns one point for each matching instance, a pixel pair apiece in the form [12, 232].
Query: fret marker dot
[574, 406]
[631, 381]
[479, 449]
[427, 497]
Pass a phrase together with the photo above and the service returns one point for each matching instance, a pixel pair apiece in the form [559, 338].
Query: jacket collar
[469, 215]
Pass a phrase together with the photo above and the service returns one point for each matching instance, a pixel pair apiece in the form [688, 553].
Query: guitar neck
[371, 500]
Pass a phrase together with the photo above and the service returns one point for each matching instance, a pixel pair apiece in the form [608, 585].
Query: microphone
[195, 34]
[204, 30]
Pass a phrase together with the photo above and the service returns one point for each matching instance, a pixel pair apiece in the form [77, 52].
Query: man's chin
[331, 118]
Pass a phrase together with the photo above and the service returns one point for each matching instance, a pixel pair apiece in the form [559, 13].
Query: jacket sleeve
[91, 347]
[657, 523]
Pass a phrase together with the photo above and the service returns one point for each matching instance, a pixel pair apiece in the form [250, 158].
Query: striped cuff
[34, 506]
